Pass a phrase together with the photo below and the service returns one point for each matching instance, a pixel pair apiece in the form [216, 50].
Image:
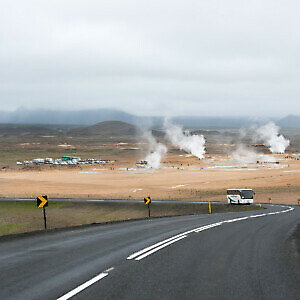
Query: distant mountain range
[290, 121]
[90, 117]
[10, 130]
[85, 117]
[105, 129]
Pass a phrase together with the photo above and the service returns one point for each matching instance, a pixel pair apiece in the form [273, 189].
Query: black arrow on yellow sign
[147, 201]
[42, 201]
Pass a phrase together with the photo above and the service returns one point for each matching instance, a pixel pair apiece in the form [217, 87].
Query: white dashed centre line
[82, 286]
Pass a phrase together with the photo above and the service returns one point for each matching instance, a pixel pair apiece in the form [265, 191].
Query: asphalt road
[218, 256]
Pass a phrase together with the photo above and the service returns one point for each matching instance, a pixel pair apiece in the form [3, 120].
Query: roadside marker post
[147, 201]
[42, 202]
[45, 219]
[209, 207]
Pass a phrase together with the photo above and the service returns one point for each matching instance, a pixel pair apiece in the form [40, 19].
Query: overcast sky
[156, 57]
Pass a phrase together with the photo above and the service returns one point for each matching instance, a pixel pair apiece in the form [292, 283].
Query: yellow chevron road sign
[147, 200]
[42, 201]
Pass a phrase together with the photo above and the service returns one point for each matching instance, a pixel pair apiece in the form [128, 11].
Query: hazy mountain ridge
[106, 128]
[85, 117]
[91, 117]
[27, 130]
[290, 121]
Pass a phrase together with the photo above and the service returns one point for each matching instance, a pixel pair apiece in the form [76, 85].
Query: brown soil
[182, 178]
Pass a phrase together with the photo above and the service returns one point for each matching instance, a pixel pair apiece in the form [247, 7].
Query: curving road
[248, 255]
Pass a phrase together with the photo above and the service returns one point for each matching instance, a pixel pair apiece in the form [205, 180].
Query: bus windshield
[247, 194]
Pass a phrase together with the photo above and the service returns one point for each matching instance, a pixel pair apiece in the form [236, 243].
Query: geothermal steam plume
[156, 151]
[271, 138]
[194, 144]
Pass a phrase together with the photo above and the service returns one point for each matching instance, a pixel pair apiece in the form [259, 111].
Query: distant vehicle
[240, 196]
[67, 158]
[38, 161]
[142, 163]
[102, 161]
[19, 163]
[49, 161]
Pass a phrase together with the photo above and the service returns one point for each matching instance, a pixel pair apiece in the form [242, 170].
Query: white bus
[240, 196]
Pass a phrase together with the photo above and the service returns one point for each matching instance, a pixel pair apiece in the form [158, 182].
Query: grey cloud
[160, 57]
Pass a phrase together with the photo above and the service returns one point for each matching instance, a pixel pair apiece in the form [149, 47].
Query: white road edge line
[207, 227]
[82, 286]
[151, 249]
[134, 255]
[160, 247]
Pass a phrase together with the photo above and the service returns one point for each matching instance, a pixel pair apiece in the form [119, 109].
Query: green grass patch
[6, 229]
[11, 206]
[18, 217]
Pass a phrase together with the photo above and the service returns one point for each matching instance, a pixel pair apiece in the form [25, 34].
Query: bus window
[233, 192]
[247, 194]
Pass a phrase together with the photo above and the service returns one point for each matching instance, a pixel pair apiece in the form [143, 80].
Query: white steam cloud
[156, 151]
[271, 138]
[194, 144]
[154, 158]
[247, 155]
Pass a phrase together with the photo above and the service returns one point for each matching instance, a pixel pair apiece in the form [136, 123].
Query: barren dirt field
[180, 177]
